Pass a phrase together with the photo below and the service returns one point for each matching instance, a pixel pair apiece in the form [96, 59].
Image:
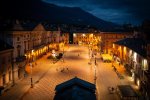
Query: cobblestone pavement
[77, 66]
[23, 85]
[47, 75]
[107, 77]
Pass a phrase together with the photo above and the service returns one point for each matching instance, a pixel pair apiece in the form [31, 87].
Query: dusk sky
[118, 11]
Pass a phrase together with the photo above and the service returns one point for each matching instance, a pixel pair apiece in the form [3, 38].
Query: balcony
[20, 58]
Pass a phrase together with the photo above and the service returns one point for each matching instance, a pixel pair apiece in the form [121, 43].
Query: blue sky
[118, 11]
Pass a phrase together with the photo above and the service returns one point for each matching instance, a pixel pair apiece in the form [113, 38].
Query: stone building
[92, 40]
[30, 41]
[133, 54]
[108, 38]
[6, 66]
[19, 39]
[101, 41]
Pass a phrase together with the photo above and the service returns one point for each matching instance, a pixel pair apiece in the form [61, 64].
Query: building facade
[30, 41]
[108, 38]
[101, 41]
[131, 52]
[6, 66]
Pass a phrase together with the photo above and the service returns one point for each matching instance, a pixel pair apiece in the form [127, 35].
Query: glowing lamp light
[138, 82]
[113, 45]
[135, 56]
[83, 35]
[145, 64]
[74, 35]
[32, 51]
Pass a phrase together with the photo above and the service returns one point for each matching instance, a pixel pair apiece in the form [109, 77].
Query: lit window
[135, 57]
[18, 39]
[130, 53]
[145, 64]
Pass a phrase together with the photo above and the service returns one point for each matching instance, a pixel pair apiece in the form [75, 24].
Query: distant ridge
[42, 11]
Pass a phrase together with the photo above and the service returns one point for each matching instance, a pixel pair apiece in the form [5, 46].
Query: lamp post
[31, 69]
[31, 75]
[95, 71]
[63, 53]
[13, 75]
[89, 55]
[53, 55]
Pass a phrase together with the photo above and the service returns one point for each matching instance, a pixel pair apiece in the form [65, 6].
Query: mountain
[41, 11]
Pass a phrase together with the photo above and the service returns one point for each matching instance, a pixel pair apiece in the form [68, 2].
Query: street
[46, 75]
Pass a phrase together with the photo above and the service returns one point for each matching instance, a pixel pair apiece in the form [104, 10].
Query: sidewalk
[23, 85]
[124, 77]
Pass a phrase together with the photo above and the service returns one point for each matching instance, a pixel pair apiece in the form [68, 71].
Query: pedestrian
[119, 63]
[95, 62]
[112, 89]
[115, 69]
[25, 74]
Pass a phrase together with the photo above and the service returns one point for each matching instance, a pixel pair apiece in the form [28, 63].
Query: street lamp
[53, 55]
[95, 71]
[31, 75]
[31, 69]
[89, 54]
[13, 76]
[63, 53]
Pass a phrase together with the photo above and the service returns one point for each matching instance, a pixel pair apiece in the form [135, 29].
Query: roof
[116, 32]
[75, 89]
[17, 25]
[135, 44]
[4, 46]
[127, 91]
[28, 26]
[39, 27]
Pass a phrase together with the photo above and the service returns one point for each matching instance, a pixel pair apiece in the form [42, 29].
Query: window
[4, 80]
[144, 64]
[9, 59]
[3, 60]
[18, 39]
[19, 50]
[9, 75]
